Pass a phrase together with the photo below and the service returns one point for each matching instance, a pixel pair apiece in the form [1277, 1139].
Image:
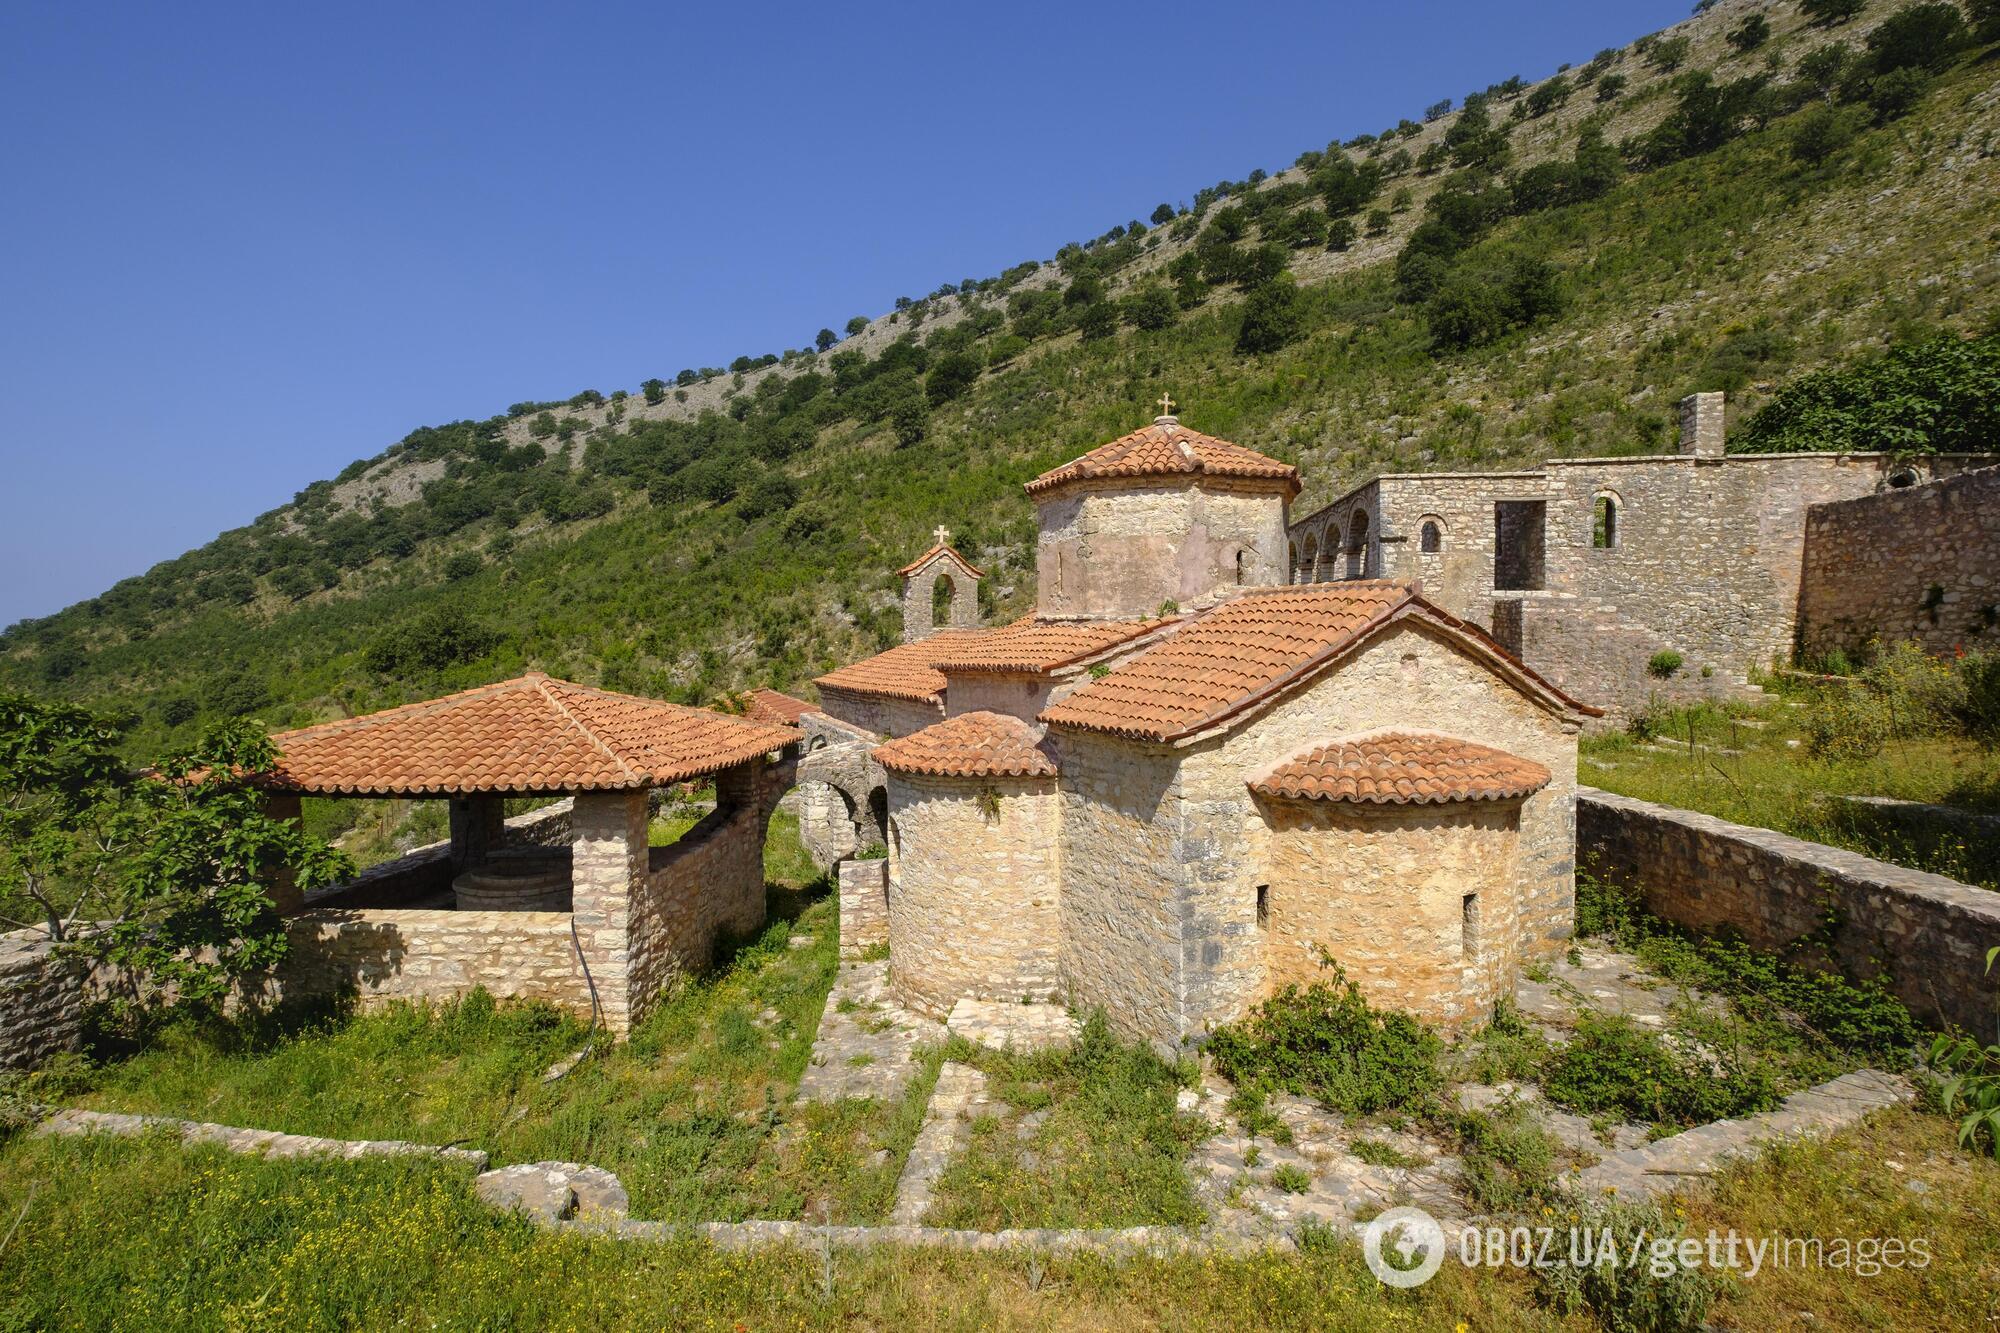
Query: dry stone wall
[379, 956]
[42, 1000]
[1926, 935]
[864, 905]
[1919, 563]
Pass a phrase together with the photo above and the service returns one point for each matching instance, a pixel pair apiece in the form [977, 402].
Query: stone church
[1180, 781]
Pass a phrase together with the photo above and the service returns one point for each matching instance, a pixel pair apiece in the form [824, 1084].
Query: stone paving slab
[554, 1191]
[959, 1096]
[866, 1045]
[267, 1142]
[1021, 1027]
[1659, 1167]
[1607, 980]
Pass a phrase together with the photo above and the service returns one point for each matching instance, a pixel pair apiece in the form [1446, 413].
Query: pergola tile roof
[1403, 768]
[1249, 648]
[776, 709]
[530, 734]
[1167, 449]
[971, 745]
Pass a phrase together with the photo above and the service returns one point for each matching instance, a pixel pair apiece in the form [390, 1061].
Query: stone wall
[1385, 890]
[379, 956]
[42, 1000]
[706, 888]
[1925, 934]
[919, 615]
[864, 905]
[1120, 550]
[1920, 563]
[973, 890]
[880, 716]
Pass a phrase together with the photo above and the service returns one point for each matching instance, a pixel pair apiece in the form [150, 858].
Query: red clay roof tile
[1035, 646]
[775, 709]
[948, 553]
[1167, 449]
[902, 672]
[971, 745]
[1248, 648]
[530, 734]
[1403, 768]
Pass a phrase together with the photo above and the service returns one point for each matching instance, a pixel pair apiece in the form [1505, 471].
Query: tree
[444, 636]
[1920, 37]
[951, 375]
[1609, 87]
[1152, 306]
[61, 787]
[910, 417]
[1939, 395]
[1548, 95]
[825, 338]
[857, 325]
[194, 914]
[1897, 92]
[1826, 13]
[1273, 315]
[1163, 215]
[1750, 34]
[1668, 55]
[1819, 133]
[1097, 321]
[1340, 234]
[1378, 222]
[1823, 68]
[463, 565]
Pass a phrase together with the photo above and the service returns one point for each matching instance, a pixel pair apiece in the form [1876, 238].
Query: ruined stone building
[1175, 784]
[1587, 568]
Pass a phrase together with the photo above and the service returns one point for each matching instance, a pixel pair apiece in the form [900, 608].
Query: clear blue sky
[241, 246]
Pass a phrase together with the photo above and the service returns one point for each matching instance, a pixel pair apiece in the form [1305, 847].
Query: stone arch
[1292, 563]
[1309, 561]
[1430, 535]
[1607, 513]
[939, 570]
[1357, 546]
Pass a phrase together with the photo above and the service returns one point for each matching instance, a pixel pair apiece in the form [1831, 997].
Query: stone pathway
[1656, 1168]
[866, 1044]
[1576, 1134]
[1243, 1196]
[1610, 981]
[267, 1142]
[1023, 1027]
[959, 1097]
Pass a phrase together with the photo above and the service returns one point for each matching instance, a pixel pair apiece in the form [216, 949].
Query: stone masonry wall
[1405, 677]
[864, 905]
[42, 1000]
[1871, 565]
[973, 889]
[1120, 551]
[1927, 935]
[379, 956]
[698, 891]
[1383, 890]
[879, 716]
[918, 616]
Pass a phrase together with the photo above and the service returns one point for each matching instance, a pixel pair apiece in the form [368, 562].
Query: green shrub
[1664, 663]
[1979, 700]
[1325, 1041]
[1655, 1294]
[1292, 1179]
[1612, 1064]
[1843, 722]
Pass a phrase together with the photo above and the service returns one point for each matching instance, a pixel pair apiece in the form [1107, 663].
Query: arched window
[1293, 551]
[1604, 522]
[1243, 564]
[1309, 562]
[942, 591]
[1357, 547]
[1430, 537]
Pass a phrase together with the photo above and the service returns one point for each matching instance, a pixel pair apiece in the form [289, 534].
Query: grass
[693, 1112]
[145, 1233]
[1109, 1149]
[1771, 782]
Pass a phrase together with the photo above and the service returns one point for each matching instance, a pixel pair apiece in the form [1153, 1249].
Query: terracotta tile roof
[1247, 649]
[1033, 645]
[776, 709]
[971, 745]
[948, 553]
[530, 734]
[1167, 449]
[906, 671]
[1403, 768]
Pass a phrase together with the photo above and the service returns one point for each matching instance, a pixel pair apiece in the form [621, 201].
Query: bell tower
[921, 577]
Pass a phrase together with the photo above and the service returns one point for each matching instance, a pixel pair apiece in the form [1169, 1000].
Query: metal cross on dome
[1166, 404]
[943, 535]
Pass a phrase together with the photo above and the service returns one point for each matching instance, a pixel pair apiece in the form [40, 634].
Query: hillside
[1551, 271]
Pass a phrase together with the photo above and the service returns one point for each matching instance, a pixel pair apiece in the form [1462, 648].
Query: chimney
[1701, 425]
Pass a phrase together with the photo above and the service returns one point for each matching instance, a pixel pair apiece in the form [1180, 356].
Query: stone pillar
[282, 883]
[608, 873]
[478, 823]
[1701, 425]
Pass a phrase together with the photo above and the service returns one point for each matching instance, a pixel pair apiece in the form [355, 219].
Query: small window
[1468, 910]
[1243, 565]
[1430, 537]
[1263, 906]
[1604, 523]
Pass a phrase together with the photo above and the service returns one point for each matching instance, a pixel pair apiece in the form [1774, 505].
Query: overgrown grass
[1752, 765]
[1109, 1150]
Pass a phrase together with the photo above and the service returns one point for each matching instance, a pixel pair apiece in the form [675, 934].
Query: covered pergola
[631, 914]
